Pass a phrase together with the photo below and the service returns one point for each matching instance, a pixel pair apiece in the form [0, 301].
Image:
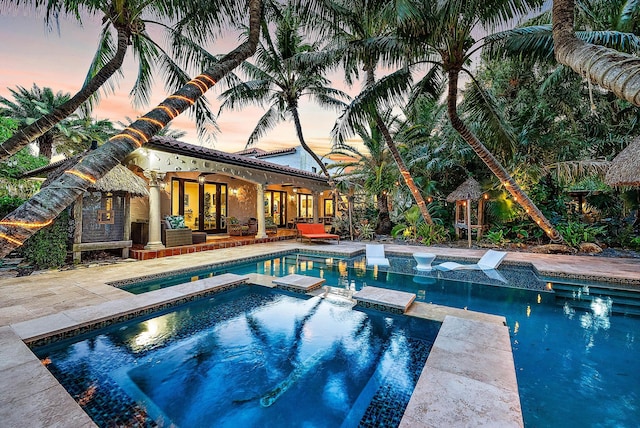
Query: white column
[260, 211]
[316, 206]
[155, 183]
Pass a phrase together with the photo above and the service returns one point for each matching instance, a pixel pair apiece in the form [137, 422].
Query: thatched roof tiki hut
[625, 168]
[464, 196]
[102, 219]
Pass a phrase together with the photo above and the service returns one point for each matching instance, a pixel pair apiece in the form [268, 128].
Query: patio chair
[175, 233]
[375, 255]
[490, 260]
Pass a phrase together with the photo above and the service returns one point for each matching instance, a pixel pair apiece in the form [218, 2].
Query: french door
[202, 204]
[275, 206]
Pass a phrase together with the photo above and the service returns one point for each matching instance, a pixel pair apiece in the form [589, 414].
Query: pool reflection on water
[249, 357]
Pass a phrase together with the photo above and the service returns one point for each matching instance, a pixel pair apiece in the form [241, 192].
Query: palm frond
[245, 94]
[483, 108]
[383, 95]
[147, 52]
[268, 121]
[106, 51]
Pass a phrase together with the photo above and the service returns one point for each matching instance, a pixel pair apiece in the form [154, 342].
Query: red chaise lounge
[314, 231]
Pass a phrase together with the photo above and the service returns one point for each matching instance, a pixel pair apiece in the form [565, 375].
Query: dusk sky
[32, 54]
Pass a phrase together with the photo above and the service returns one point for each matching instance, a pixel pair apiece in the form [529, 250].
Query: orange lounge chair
[314, 231]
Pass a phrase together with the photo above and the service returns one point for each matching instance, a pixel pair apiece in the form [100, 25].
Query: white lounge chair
[375, 255]
[490, 260]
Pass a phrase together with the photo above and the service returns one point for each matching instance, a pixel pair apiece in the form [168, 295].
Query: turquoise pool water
[249, 357]
[575, 353]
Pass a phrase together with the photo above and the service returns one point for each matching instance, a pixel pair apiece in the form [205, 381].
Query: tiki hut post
[462, 197]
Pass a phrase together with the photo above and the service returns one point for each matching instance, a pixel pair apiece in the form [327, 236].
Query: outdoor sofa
[175, 233]
[312, 231]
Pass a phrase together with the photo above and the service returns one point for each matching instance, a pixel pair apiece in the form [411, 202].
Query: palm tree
[29, 105]
[363, 37]
[44, 207]
[442, 35]
[373, 169]
[167, 131]
[129, 20]
[611, 69]
[280, 82]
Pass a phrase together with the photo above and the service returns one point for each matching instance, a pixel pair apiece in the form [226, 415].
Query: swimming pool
[248, 357]
[575, 353]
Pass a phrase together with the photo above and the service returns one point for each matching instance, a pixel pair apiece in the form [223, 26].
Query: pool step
[298, 283]
[624, 300]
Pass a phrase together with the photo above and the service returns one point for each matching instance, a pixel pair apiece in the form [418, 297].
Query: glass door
[305, 206]
[203, 205]
[214, 207]
[275, 206]
[191, 204]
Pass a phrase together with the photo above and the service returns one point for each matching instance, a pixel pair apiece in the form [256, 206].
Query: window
[305, 206]
[328, 207]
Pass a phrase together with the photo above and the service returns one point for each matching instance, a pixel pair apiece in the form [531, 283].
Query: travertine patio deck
[52, 293]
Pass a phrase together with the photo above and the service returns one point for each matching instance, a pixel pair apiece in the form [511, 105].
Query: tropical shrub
[365, 231]
[340, 226]
[575, 233]
[429, 234]
[496, 236]
[8, 204]
[47, 248]
[409, 228]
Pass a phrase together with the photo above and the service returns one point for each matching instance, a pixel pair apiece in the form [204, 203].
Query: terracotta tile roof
[251, 151]
[276, 152]
[45, 170]
[172, 145]
[260, 153]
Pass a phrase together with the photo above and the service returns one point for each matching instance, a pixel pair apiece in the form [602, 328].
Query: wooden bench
[312, 231]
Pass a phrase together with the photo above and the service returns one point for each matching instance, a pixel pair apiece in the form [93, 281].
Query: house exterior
[207, 187]
[294, 157]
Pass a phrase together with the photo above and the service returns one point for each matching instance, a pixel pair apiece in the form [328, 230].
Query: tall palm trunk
[45, 145]
[44, 207]
[384, 225]
[496, 168]
[29, 133]
[404, 171]
[296, 120]
[612, 70]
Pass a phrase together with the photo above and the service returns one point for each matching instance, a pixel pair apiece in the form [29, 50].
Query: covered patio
[211, 189]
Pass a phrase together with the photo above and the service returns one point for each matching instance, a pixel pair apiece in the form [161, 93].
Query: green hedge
[47, 248]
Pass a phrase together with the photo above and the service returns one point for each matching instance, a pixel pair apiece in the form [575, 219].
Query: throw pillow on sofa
[175, 222]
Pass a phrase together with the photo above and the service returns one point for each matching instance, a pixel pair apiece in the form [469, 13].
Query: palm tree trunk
[404, 171]
[618, 72]
[29, 133]
[296, 120]
[496, 168]
[384, 221]
[402, 167]
[45, 145]
[45, 206]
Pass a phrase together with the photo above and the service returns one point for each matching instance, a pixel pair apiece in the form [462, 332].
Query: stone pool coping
[53, 292]
[31, 393]
[44, 402]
